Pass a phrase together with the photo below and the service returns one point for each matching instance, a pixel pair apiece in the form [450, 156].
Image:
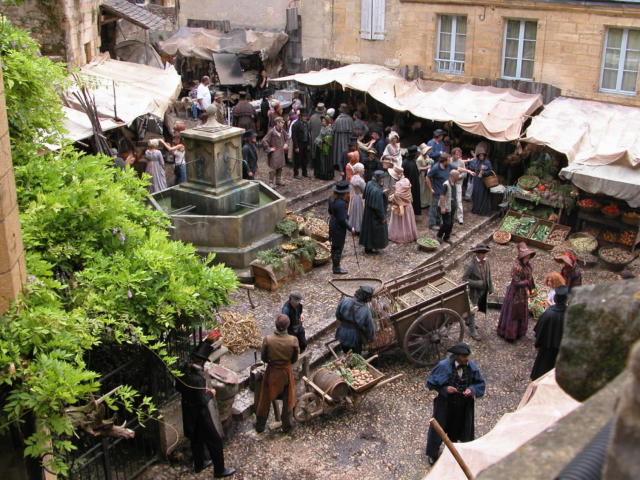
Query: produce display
[287, 247]
[589, 203]
[316, 227]
[510, 224]
[428, 242]
[592, 230]
[501, 236]
[556, 237]
[631, 217]
[615, 255]
[609, 236]
[353, 369]
[524, 226]
[287, 227]
[528, 182]
[611, 210]
[627, 238]
[538, 304]
[541, 233]
[239, 332]
[584, 244]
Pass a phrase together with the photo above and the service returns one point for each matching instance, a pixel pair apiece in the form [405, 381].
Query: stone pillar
[12, 265]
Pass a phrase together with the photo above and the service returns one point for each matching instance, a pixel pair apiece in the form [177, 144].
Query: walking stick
[355, 250]
[445, 438]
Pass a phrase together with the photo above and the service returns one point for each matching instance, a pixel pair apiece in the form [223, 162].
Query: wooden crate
[269, 279]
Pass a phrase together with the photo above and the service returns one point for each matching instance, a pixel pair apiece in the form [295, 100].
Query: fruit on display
[609, 236]
[627, 238]
[584, 244]
[589, 203]
[612, 210]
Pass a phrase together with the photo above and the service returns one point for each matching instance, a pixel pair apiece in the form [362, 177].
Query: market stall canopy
[619, 181]
[587, 132]
[135, 51]
[133, 13]
[492, 112]
[203, 43]
[139, 89]
[542, 405]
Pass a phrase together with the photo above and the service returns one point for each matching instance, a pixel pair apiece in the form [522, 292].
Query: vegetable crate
[553, 227]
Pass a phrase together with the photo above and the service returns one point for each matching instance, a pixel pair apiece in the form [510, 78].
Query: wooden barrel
[331, 383]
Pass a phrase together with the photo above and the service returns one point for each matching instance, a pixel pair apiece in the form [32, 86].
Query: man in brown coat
[279, 351]
[477, 273]
[275, 143]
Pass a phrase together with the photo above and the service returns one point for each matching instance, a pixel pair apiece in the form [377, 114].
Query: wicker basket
[631, 219]
[503, 242]
[584, 235]
[491, 181]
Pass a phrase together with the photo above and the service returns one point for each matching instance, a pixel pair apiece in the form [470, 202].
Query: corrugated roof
[133, 13]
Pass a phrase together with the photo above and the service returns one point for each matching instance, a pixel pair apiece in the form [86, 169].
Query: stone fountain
[216, 210]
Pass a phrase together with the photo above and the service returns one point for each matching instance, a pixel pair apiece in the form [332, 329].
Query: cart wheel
[307, 406]
[431, 334]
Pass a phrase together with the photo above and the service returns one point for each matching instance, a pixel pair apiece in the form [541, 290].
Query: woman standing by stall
[402, 225]
[356, 203]
[392, 157]
[514, 316]
[481, 167]
[155, 166]
[324, 142]
[339, 223]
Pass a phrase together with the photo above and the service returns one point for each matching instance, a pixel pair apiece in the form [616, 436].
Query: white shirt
[204, 94]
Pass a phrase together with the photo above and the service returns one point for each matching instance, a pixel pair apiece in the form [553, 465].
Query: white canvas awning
[139, 89]
[618, 181]
[542, 405]
[494, 113]
[589, 132]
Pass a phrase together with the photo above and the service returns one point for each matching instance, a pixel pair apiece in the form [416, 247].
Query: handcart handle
[389, 380]
[330, 344]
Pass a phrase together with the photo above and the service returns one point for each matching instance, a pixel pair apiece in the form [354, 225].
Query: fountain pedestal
[216, 210]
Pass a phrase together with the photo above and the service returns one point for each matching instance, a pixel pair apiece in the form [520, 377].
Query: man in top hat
[197, 422]
[548, 332]
[249, 155]
[243, 113]
[301, 140]
[279, 351]
[315, 125]
[293, 309]
[373, 231]
[477, 273]
[458, 382]
[356, 322]
[339, 223]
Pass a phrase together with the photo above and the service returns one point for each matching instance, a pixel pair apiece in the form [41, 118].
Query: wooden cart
[421, 312]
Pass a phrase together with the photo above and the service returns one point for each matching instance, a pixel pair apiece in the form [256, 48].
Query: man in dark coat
[371, 164]
[315, 125]
[458, 382]
[373, 232]
[356, 322]
[342, 133]
[549, 333]
[293, 309]
[301, 139]
[411, 171]
[250, 155]
[477, 273]
[197, 422]
[339, 223]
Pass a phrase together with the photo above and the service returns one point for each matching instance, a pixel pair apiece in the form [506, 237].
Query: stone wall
[270, 15]
[569, 45]
[83, 34]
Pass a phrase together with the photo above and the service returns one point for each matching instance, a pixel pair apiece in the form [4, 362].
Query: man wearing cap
[279, 351]
[548, 332]
[293, 309]
[250, 155]
[243, 113]
[373, 232]
[197, 422]
[339, 223]
[458, 382]
[437, 176]
[217, 109]
[301, 140]
[448, 204]
[356, 322]
[477, 273]
[315, 125]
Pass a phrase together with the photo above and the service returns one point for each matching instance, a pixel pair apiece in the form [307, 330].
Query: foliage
[287, 227]
[101, 266]
[276, 257]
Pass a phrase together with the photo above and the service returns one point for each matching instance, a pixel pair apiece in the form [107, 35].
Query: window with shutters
[372, 19]
[452, 36]
[621, 61]
[519, 49]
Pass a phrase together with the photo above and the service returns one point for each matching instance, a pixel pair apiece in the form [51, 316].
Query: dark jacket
[338, 223]
[373, 231]
[479, 284]
[548, 332]
[300, 134]
[194, 400]
[250, 155]
[294, 314]
[356, 323]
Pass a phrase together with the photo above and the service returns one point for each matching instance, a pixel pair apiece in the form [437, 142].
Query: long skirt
[324, 168]
[402, 228]
[356, 211]
[425, 192]
[514, 316]
[480, 198]
[158, 176]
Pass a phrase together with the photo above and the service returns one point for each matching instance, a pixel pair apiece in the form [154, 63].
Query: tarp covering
[542, 405]
[135, 51]
[139, 89]
[202, 43]
[619, 181]
[494, 113]
[589, 132]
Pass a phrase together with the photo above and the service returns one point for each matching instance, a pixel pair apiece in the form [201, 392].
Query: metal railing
[454, 67]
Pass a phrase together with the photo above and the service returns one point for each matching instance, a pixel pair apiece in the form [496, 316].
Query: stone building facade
[589, 50]
[264, 15]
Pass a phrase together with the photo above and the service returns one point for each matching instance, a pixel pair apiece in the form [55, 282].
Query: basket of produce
[611, 211]
[589, 205]
[524, 226]
[540, 233]
[287, 247]
[510, 224]
[317, 229]
[557, 235]
[583, 242]
[355, 370]
[322, 256]
[288, 227]
[615, 258]
[501, 237]
[631, 218]
[608, 236]
[427, 244]
[299, 219]
[627, 238]
[528, 182]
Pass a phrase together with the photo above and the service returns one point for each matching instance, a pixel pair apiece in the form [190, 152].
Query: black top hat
[202, 352]
[412, 149]
[342, 187]
[460, 349]
[438, 131]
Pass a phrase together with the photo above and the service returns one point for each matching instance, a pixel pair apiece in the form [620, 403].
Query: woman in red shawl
[570, 270]
[514, 316]
[402, 225]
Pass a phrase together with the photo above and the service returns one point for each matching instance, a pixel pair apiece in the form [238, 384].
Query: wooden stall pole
[436, 426]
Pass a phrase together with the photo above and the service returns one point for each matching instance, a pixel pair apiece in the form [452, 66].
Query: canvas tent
[139, 89]
[494, 113]
[542, 405]
[601, 142]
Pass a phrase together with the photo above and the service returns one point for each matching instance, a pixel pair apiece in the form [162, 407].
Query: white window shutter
[365, 19]
[378, 20]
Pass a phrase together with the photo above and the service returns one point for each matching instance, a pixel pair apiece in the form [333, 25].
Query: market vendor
[570, 270]
[279, 351]
[356, 322]
[293, 309]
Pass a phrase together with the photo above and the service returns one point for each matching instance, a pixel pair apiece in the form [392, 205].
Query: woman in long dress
[402, 225]
[514, 316]
[155, 166]
[324, 143]
[480, 195]
[424, 162]
[356, 203]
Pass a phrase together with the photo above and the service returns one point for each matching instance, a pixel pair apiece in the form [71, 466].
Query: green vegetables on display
[524, 226]
[541, 233]
[510, 224]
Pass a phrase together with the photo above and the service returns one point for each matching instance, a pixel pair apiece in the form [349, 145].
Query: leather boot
[272, 175]
[471, 324]
[279, 181]
[337, 270]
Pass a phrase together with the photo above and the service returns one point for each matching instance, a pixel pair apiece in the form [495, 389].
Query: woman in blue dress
[481, 167]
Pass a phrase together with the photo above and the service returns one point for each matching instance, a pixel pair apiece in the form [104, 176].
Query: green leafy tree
[102, 268]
